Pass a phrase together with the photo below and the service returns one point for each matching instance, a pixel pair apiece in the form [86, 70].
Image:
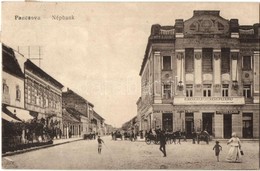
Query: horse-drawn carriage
[203, 136]
[149, 138]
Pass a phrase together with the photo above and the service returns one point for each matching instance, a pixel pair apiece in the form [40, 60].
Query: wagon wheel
[148, 141]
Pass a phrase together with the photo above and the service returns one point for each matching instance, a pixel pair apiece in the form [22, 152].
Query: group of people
[235, 152]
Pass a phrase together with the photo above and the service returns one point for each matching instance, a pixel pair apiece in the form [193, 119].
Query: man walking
[162, 143]
[100, 141]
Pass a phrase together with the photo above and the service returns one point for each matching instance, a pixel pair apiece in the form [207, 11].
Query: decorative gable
[206, 22]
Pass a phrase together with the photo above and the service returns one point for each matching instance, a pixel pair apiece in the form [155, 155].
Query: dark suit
[162, 143]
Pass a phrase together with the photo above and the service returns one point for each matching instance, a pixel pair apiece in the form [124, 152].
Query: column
[217, 72]
[234, 71]
[198, 71]
[157, 78]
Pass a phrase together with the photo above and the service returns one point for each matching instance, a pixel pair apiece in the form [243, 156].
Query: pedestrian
[234, 154]
[217, 149]
[162, 143]
[100, 141]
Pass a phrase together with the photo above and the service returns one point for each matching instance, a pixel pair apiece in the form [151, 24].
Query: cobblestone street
[132, 155]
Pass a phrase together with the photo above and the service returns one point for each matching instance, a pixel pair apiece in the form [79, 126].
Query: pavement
[73, 139]
[55, 143]
[124, 154]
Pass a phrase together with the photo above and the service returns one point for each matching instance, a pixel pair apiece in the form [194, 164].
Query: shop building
[202, 74]
[42, 95]
[72, 100]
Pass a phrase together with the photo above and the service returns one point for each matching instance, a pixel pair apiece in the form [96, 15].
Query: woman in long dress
[234, 154]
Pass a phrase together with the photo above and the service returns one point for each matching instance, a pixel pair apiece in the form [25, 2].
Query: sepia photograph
[130, 85]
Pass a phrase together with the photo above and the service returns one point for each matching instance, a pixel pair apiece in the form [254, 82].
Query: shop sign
[208, 100]
[228, 112]
[161, 111]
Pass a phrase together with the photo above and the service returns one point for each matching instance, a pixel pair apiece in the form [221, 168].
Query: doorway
[167, 121]
[207, 122]
[227, 125]
[247, 125]
[189, 124]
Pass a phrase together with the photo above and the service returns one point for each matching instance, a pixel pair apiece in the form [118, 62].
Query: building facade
[73, 100]
[202, 74]
[98, 124]
[42, 95]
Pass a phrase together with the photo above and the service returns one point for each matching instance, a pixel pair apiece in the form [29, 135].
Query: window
[247, 63]
[225, 90]
[207, 90]
[5, 87]
[225, 60]
[18, 93]
[247, 91]
[189, 90]
[166, 63]
[167, 91]
[207, 65]
[189, 59]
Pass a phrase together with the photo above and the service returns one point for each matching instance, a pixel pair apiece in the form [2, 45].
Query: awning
[22, 114]
[9, 118]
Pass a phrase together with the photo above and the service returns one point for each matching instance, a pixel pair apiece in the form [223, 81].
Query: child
[217, 148]
[100, 141]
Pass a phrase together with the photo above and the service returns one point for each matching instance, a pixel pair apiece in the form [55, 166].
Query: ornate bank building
[201, 74]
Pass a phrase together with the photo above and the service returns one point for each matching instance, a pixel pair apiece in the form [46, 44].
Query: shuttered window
[225, 60]
[207, 65]
[189, 59]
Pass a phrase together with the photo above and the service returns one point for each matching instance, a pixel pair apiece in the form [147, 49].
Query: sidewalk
[55, 143]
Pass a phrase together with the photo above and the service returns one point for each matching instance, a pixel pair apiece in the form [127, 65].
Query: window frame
[250, 63]
[189, 90]
[208, 90]
[225, 90]
[163, 66]
[164, 92]
[247, 89]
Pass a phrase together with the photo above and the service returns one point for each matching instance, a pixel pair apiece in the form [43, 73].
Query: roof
[10, 63]
[74, 112]
[38, 71]
[69, 91]
[97, 116]
[68, 117]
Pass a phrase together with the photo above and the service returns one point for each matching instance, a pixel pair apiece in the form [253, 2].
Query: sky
[99, 53]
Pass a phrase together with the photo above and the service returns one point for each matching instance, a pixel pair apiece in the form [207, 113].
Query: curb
[37, 148]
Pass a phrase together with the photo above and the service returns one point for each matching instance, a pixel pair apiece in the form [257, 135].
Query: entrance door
[189, 124]
[227, 125]
[167, 121]
[207, 122]
[247, 125]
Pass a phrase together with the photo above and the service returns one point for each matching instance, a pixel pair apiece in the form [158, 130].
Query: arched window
[18, 93]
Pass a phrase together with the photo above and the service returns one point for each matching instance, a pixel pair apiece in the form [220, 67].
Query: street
[132, 155]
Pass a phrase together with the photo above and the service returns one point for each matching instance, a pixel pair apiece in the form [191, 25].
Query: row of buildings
[30, 93]
[201, 74]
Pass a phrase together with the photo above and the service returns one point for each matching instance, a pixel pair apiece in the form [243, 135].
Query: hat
[234, 134]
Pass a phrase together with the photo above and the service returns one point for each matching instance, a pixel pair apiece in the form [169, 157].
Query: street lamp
[180, 85]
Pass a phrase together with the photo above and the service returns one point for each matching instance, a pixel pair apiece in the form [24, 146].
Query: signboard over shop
[209, 100]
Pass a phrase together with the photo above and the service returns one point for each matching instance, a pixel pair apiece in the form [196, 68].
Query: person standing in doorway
[162, 143]
[217, 149]
[100, 141]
